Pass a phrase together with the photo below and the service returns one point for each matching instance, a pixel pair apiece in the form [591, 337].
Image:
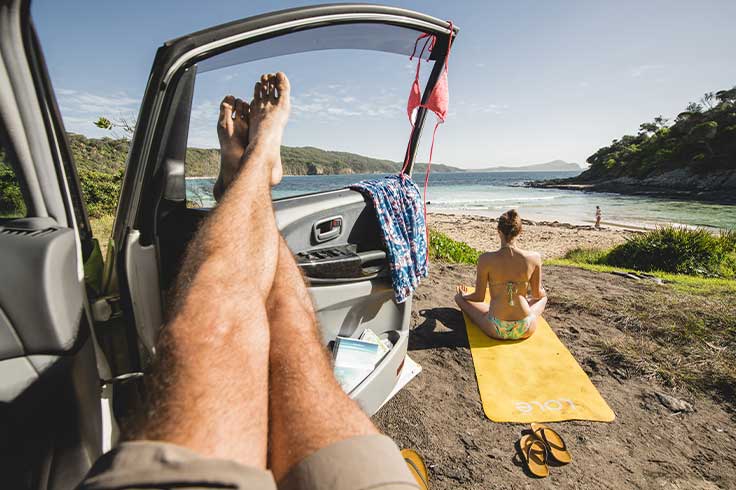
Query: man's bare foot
[269, 112]
[232, 131]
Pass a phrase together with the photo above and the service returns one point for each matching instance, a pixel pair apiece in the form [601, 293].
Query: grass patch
[681, 339]
[442, 247]
[102, 230]
[681, 282]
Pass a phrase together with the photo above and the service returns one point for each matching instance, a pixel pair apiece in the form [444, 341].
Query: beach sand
[552, 240]
[439, 413]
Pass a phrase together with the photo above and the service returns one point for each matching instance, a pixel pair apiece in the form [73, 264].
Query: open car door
[52, 421]
[335, 235]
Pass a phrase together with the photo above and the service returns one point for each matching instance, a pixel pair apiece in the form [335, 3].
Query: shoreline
[723, 197]
[551, 239]
[606, 225]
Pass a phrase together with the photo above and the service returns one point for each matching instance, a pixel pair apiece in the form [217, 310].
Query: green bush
[677, 250]
[11, 198]
[101, 191]
[445, 248]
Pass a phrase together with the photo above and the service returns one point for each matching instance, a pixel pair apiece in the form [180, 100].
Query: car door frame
[52, 192]
[172, 61]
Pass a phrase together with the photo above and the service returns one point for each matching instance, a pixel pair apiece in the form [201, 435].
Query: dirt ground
[648, 446]
[552, 240]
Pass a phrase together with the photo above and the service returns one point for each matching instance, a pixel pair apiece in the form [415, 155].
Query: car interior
[64, 353]
[334, 235]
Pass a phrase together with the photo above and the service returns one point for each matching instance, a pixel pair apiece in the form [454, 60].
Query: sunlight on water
[490, 194]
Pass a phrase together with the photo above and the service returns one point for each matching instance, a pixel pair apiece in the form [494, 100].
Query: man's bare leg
[308, 409]
[210, 386]
[232, 133]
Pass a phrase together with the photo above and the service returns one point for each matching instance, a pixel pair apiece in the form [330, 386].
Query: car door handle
[327, 229]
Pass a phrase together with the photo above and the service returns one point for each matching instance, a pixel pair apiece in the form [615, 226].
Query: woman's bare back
[510, 273]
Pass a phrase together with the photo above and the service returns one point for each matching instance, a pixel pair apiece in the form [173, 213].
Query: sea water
[491, 193]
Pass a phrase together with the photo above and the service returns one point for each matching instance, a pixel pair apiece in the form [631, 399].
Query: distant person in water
[510, 273]
[598, 216]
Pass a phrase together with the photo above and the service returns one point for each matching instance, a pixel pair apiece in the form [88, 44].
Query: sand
[649, 446]
[552, 240]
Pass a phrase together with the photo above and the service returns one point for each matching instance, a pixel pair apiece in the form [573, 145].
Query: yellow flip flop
[554, 442]
[416, 466]
[534, 454]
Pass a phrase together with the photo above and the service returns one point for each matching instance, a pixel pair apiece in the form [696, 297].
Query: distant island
[692, 158]
[553, 166]
[108, 155]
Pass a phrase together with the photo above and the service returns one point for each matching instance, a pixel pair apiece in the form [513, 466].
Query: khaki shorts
[360, 463]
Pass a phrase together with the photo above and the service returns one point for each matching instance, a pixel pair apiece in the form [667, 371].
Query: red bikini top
[437, 102]
[439, 99]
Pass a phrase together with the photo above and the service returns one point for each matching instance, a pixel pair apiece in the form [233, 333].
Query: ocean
[491, 193]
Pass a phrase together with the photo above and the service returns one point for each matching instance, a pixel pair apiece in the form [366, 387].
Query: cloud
[641, 70]
[334, 104]
[203, 124]
[80, 109]
[463, 107]
[323, 104]
[583, 84]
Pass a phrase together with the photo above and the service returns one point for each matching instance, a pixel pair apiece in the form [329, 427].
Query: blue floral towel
[401, 214]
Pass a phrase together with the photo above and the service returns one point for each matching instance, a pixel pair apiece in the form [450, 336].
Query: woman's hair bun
[509, 223]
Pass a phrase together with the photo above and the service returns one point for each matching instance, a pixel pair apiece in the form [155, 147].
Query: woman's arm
[481, 282]
[536, 281]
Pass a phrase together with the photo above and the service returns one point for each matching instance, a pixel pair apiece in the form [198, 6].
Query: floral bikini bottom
[511, 329]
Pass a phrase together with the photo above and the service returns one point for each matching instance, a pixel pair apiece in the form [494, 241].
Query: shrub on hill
[11, 199]
[100, 190]
[701, 139]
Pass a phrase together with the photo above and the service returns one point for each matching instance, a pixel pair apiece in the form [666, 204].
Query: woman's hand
[462, 290]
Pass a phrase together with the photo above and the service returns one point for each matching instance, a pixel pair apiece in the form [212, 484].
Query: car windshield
[363, 36]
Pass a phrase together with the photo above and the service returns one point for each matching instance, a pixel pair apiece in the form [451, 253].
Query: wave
[470, 202]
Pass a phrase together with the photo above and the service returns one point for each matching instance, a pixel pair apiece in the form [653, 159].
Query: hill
[553, 166]
[108, 156]
[695, 156]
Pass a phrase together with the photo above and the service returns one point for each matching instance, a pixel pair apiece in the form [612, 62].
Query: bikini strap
[510, 290]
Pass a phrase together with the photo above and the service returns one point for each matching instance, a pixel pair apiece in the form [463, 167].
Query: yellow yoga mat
[533, 380]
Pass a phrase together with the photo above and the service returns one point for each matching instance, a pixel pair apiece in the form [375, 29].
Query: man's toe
[282, 84]
[226, 112]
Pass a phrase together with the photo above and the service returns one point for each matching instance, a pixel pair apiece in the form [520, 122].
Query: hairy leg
[209, 388]
[478, 312]
[308, 409]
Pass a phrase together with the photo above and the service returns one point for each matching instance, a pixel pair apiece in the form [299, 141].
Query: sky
[530, 81]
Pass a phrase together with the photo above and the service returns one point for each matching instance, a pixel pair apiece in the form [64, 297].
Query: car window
[339, 95]
[12, 202]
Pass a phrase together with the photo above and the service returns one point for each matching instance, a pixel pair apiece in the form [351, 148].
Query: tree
[708, 100]
[694, 108]
[646, 128]
[125, 124]
[726, 96]
[661, 122]
[703, 133]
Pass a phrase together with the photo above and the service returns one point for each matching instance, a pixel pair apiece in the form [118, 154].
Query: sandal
[534, 454]
[417, 468]
[554, 442]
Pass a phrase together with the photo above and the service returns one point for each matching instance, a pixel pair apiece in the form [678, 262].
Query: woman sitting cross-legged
[510, 272]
